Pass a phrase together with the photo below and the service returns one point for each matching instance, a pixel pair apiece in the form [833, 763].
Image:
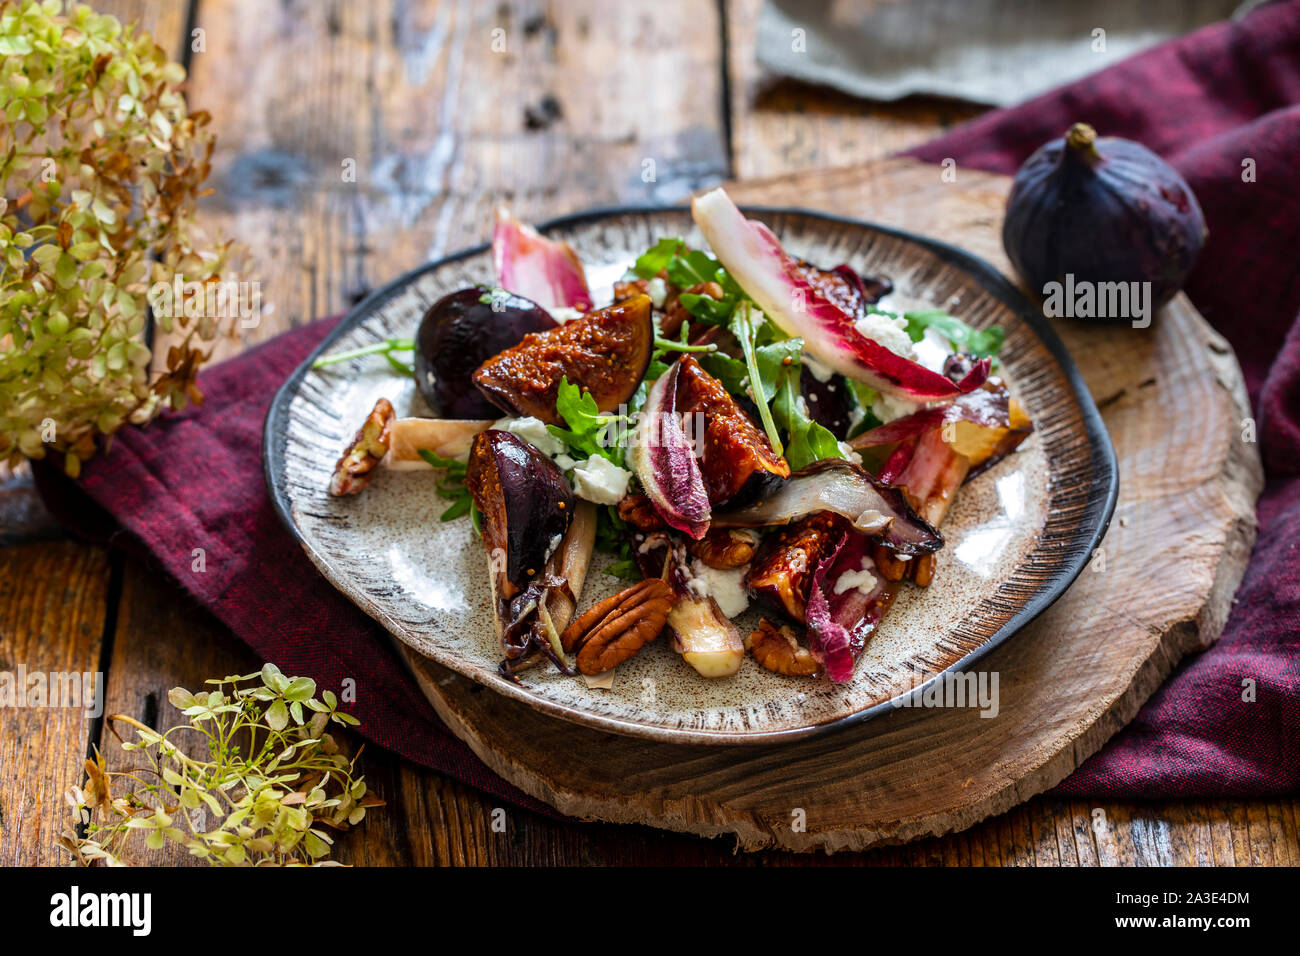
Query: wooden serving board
[1173, 399]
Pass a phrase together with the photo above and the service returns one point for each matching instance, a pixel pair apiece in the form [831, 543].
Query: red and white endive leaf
[771, 277]
[545, 270]
[829, 640]
[664, 460]
[983, 407]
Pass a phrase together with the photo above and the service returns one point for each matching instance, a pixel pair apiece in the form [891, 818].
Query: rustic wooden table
[443, 109]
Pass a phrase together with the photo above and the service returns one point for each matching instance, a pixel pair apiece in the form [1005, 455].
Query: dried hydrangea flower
[101, 163]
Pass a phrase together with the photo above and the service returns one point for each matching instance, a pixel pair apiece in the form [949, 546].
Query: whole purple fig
[1089, 213]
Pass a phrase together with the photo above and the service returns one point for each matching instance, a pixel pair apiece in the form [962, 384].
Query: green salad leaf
[612, 537]
[982, 343]
[655, 259]
[809, 441]
[588, 431]
[451, 486]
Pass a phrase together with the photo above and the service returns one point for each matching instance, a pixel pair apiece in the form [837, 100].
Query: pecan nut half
[777, 650]
[619, 626]
[637, 511]
[724, 548]
[355, 469]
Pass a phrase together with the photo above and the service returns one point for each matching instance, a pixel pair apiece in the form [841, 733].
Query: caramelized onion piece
[838, 486]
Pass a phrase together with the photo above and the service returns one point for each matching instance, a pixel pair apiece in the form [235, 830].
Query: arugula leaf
[982, 343]
[655, 259]
[451, 486]
[611, 536]
[588, 429]
[742, 327]
[691, 266]
[865, 396]
[771, 360]
[809, 440]
[627, 569]
[707, 309]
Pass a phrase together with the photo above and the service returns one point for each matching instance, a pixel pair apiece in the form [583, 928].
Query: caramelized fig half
[782, 571]
[605, 353]
[526, 504]
[738, 464]
[457, 334]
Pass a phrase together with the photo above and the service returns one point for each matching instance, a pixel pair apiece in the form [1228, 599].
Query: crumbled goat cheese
[533, 431]
[600, 480]
[725, 587]
[564, 313]
[891, 333]
[889, 407]
[816, 367]
[864, 581]
[933, 350]
[849, 453]
[657, 289]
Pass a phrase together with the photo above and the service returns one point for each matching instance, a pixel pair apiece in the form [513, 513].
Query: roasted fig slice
[782, 571]
[605, 353]
[738, 463]
[526, 504]
[460, 332]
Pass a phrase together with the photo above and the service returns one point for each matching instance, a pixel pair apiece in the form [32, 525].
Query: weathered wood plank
[365, 139]
[54, 598]
[782, 126]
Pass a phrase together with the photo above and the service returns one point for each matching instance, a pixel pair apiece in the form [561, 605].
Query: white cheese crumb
[933, 350]
[889, 407]
[850, 454]
[816, 367]
[564, 313]
[533, 431]
[863, 580]
[891, 333]
[600, 480]
[657, 289]
[725, 587]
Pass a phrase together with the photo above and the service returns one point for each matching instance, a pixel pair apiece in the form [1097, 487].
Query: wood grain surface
[442, 126]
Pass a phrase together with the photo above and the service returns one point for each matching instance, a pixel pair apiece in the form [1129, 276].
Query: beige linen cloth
[998, 53]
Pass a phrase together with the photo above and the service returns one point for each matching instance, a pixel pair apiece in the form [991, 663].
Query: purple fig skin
[524, 499]
[457, 335]
[1103, 210]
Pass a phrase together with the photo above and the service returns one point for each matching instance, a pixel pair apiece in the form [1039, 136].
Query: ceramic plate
[1017, 535]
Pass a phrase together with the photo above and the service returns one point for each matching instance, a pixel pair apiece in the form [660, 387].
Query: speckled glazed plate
[1017, 535]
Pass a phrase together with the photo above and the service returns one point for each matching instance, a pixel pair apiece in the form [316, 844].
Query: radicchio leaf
[987, 425]
[780, 286]
[545, 270]
[985, 407]
[827, 638]
[664, 460]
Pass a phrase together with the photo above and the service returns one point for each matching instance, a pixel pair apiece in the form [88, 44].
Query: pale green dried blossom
[268, 786]
[100, 166]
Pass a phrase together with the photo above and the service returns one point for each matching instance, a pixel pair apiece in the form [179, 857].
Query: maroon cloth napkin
[1207, 103]
[195, 480]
